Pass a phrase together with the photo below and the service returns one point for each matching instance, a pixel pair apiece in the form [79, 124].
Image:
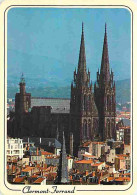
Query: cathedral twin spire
[82, 55]
[104, 71]
[82, 77]
[104, 95]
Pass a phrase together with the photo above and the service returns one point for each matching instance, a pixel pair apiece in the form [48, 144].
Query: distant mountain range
[38, 69]
[42, 88]
[123, 91]
[50, 77]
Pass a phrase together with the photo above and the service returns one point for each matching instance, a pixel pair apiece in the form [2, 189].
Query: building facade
[14, 148]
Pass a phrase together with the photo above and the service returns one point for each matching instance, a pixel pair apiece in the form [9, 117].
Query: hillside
[122, 90]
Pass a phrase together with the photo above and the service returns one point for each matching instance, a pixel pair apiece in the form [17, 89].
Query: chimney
[77, 171]
[70, 177]
[71, 143]
[93, 173]
[99, 180]
[86, 172]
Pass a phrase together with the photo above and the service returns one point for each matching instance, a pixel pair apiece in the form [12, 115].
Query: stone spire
[105, 72]
[82, 75]
[22, 84]
[62, 173]
[104, 94]
[22, 80]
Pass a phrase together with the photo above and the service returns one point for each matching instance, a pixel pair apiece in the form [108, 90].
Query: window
[88, 103]
[74, 98]
[85, 102]
[89, 128]
[85, 128]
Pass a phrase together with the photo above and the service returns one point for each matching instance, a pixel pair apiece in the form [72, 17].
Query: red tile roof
[84, 161]
[27, 169]
[88, 155]
[120, 158]
[19, 179]
[125, 112]
[86, 144]
[46, 153]
[50, 168]
[97, 164]
[68, 157]
[38, 173]
[43, 168]
[126, 174]
[50, 176]
[39, 180]
[35, 176]
[119, 179]
[127, 127]
[98, 142]
[122, 155]
[123, 179]
[110, 178]
[49, 157]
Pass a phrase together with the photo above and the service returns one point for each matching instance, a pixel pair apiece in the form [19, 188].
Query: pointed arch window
[113, 128]
[88, 102]
[85, 129]
[74, 99]
[95, 127]
[85, 102]
[108, 102]
[89, 129]
[108, 129]
[113, 103]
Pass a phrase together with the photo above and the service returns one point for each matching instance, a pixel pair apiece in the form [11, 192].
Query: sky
[45, 42]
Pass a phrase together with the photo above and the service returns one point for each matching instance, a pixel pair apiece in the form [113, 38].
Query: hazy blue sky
[53, 35]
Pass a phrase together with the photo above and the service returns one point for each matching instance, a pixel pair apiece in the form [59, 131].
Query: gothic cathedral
[86, 116]
[83, 111]
[92, 116]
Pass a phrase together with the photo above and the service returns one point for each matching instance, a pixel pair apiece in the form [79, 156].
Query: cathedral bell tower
[83, 111]
[22, 105]
[22, 85]
[105, 96]
[22, 99]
